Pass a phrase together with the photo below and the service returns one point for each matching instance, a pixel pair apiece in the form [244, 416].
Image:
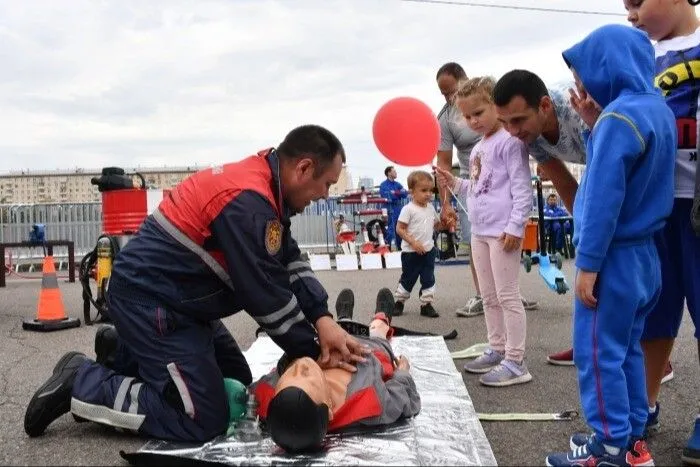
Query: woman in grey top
[455, 132]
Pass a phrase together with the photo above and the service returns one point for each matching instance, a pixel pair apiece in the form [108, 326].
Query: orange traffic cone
[51, 315]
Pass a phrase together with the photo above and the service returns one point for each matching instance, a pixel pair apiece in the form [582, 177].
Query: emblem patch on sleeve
[273, 236]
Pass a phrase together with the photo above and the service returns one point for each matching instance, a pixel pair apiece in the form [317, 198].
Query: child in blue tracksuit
[394, 193]
[624, 198]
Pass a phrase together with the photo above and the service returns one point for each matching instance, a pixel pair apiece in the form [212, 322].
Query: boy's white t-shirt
[421, 224]
[674, 57]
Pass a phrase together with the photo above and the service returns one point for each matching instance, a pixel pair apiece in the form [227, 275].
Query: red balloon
[406, 132]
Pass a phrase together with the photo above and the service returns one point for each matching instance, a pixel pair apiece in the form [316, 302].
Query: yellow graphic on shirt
[671, 77]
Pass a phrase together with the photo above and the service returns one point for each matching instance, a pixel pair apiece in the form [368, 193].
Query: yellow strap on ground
[567, 415]
[470, 352]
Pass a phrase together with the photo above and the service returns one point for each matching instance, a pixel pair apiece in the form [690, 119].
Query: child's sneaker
[485, 362]
[638, 455]
[578, 440]
[429, 311]
[506, 374]
[653, 425]
[691, 452]
[398, 309]
[344, 304]
[592, 453]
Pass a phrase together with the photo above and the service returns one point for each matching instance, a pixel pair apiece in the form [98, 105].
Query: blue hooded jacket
[627, 189]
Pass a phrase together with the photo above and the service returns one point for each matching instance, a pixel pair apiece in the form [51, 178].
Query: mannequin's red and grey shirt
[378, 392]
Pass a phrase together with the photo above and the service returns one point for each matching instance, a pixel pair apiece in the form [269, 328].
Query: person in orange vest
[219, 243]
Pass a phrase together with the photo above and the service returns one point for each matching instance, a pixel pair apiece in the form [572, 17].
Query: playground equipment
[372, 233]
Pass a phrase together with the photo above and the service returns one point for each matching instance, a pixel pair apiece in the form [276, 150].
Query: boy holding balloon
[413, 141]
[499, 200]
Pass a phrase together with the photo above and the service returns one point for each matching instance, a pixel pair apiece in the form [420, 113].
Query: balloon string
[456, 199]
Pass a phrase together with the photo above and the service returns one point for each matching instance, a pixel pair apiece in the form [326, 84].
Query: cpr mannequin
[300, 402]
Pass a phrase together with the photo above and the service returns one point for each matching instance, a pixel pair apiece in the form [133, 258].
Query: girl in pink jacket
[499, 201]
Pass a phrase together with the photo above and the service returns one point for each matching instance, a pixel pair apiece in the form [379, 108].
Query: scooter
[549, 265]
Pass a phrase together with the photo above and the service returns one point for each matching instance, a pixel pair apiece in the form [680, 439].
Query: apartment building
[73, 186]
[367, 182]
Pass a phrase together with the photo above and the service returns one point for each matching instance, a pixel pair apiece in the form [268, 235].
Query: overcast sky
[91, 83]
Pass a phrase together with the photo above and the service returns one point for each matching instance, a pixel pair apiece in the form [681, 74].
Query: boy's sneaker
[398, 309]
[484, 362]
[344, 304]
[385, 302]
[53, 398]
[668, 373]
[591, 454]
[507, 373]
[691, 452]
[474, 307]
[564, 358]
[429, 311]
[579, 439]
[639, 454]
[653, 425]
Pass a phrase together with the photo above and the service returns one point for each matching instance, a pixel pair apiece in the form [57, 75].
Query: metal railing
[82, 223]
[79, 222]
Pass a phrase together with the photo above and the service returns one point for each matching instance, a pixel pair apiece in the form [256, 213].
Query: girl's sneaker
[507, 373]
[485, 362]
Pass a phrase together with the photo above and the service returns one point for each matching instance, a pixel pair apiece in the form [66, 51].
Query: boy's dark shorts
[679, 252]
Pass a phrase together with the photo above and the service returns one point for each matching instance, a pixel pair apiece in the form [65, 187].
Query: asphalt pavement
[26, 360]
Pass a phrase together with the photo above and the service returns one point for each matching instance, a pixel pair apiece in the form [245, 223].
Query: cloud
[124, 82]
